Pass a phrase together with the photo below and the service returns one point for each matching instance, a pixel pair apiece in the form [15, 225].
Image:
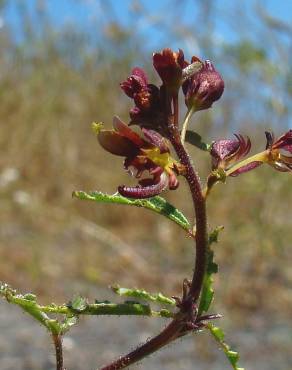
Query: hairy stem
[176, 328]
[175, 109]
[57, 339]
[200, 214]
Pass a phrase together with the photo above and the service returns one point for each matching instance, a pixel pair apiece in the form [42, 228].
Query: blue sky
[90, 13]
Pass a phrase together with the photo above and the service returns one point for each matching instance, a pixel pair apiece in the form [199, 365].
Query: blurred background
[60, 67]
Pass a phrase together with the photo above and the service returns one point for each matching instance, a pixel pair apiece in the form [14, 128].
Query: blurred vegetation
[54, 81]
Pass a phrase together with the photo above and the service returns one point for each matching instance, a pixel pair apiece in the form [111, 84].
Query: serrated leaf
[232, 356]
[156, 204]
[207, 294]
[68, 323]
[142, 294]
[213, 236]
[30, 297]
[29, 304]
[195, 139]
[207, 290]
[78, 304]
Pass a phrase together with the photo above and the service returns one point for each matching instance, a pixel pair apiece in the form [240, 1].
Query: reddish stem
[170, 333]
[57, 339]
[175, 110]
[200, 214]
[176, 328]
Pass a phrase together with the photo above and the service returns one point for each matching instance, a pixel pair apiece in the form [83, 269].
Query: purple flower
[169, 65]
[150, 155]
[225, 152]
[135, 83]
[280, 151]
[148, 111]
[278, 154]
[203, 88]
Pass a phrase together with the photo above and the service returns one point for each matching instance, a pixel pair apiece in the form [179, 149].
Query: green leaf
[207, 290]
[195, 139]
[156, 204]
[78, 304]
[213, 236]
[142, 294]
[232, 356]
[207, 294]
[28, 303]
[30, 297]
[68, 323]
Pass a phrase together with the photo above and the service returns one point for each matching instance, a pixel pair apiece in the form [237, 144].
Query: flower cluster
[150, 154]
[155, 112]
[148, 110]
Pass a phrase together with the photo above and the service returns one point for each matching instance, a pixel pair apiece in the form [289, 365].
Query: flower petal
[149, 190]
[224, 148]
[203, 88]
[246, 168]
[116, 144]
[135, 83]
[173, 182]
[169, 65]
[227, 151]
[284, 142]
[156, 139]
[125, 131]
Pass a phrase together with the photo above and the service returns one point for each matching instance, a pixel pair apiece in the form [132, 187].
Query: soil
[25, 345]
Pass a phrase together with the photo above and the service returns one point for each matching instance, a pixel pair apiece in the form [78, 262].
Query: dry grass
[56, 246]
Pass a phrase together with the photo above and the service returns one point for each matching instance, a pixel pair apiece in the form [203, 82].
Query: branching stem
[175, 329]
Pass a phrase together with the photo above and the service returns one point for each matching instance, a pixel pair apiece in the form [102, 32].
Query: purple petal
[284, 142]
[248, 167]
[116, 144]
[135, 83]
[149, 190]
[224, 148]
[125, 131]
[138, 164]
[141, 74]
[173, 182]
[203, 88]
[156, 139]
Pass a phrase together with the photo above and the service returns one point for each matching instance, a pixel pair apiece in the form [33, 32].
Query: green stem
[185, 124]
[259, 157]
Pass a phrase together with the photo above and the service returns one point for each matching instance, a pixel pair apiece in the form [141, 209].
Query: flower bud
[227, 151]
[203, 88]
[135, 83]
[169, 65]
